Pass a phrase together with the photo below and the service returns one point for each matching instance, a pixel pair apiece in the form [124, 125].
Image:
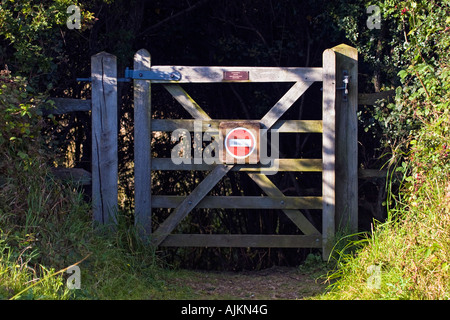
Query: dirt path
[273, 283]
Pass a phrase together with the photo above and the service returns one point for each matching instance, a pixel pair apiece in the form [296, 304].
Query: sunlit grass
[411, 250]
[45, 227]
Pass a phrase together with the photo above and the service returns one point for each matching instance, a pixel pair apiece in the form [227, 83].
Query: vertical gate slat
[347, 141]
[142, 147]
[104, 137]
[328, 151]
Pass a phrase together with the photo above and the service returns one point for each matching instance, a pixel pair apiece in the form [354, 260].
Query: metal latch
[345, 82]
[152, 75]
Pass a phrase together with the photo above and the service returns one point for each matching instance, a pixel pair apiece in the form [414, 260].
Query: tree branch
[172, 17]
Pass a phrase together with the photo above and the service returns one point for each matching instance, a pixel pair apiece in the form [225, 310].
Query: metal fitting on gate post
[345, 82]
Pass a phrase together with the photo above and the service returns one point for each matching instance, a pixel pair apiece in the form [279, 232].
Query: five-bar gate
[338, 164]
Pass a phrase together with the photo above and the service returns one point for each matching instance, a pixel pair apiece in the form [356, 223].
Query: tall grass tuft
[410, 252]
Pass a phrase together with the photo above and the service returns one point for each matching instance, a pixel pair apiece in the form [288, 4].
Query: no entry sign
[240, 141]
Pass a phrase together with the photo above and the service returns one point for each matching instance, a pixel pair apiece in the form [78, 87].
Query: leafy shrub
[33, 37]
[412, 246]
[20, 125]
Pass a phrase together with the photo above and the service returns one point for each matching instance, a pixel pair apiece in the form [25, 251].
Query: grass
[407, 257]
[45, 227]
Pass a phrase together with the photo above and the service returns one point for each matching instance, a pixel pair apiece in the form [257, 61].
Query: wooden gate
[338, 164]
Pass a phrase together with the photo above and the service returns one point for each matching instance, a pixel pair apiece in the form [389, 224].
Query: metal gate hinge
[152, 75]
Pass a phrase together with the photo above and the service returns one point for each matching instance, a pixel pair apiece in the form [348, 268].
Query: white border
[251, 151]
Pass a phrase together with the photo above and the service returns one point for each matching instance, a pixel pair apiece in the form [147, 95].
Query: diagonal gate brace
[220, 171]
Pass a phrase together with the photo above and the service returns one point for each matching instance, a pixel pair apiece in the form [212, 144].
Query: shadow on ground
[276, 283]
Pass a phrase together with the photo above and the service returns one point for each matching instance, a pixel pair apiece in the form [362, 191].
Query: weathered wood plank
[242, 241]
[306, 165]
[67, 105]
[298, 126]
[242, 202]
[296, 216]
[346, 218]
[328, 151]
[189, 203]
[104, 137]
[284, 103]
[142, 144]
[371, 98]
[187, 102]
[282, 126]
[192, 74]
[200, 192]
[83, 177]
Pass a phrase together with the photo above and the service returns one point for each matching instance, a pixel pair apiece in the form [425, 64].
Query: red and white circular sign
[240, 143]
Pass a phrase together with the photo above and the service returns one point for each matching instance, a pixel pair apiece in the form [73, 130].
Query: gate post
[104, 137]
[347, 140]
[340, 149]
[142, 151]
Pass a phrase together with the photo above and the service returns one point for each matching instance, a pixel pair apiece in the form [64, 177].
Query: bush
[21, 123]
[411, 248]
[34, 41]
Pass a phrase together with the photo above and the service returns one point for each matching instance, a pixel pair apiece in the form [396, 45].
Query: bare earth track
[280, 283]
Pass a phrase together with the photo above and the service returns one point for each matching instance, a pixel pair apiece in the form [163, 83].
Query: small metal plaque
[235, 75]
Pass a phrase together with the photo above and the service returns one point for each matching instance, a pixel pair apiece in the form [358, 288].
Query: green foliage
[46, 226]
[411, 247]
[424, 77]
[33, 30]
[21, 123]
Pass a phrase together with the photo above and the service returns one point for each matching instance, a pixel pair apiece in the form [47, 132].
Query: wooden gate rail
[282, 126]
[258, 74]
[242, 202]
[307, 165]
[243, 240]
